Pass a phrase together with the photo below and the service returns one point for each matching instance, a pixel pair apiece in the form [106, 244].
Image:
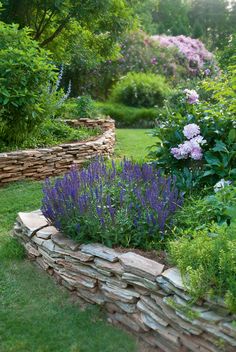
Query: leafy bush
[140, 90]
[81, 107]
[128, 116]
[129, 206]
[208, 258]
[52, 132]
[198, 212]
[24, 72]
[85, 107]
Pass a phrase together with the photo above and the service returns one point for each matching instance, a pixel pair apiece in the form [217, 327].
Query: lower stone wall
[42, 162]
[136, 292]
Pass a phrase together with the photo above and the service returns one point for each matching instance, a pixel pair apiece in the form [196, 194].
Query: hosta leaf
[212, 159]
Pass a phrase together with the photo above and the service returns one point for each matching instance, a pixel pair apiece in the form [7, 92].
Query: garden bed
[42, 162]
[136, 292]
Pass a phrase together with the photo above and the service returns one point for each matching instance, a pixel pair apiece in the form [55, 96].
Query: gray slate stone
[64, 242]
[31, 250]
[90, 297]
[140, 266]
[79, 281]
[173, 275]
[115, 268]
[100, 251]
[139, 281]
[85, 270]
[32, 221]
[150, 307]
[123, 295]
[46, 232]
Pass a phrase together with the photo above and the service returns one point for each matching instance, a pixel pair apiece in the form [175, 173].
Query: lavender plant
[129, 205]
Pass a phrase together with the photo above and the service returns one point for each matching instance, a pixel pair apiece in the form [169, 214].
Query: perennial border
[43, 162]
[135, 291]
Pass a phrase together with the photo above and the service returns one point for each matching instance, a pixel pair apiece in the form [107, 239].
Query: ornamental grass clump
[128, 205]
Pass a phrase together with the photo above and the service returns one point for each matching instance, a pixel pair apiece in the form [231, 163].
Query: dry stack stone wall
[136, 292]
[42, 162]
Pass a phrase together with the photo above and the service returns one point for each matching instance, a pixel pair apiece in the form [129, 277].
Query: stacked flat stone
[136, 292]
[43, 162]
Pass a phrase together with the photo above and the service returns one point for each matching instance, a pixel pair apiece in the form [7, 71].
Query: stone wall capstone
[43, 162]
[136, 292]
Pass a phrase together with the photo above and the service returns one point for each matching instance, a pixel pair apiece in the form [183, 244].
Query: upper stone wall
[139, 293]
[42, 162]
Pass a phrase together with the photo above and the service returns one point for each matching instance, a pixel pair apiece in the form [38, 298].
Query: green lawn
[36, 315]
[133, 143]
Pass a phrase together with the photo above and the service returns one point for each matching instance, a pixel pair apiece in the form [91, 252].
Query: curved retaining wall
[42, 162]
[136, 292]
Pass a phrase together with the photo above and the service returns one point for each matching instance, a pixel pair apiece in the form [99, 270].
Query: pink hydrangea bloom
[198, 140]
[192, 96]
[176, 152]
[191, 130]
[192, 147]
[196, 153]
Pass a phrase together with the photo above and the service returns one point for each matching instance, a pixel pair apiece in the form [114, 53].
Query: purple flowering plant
[130, 205]
[193, 50]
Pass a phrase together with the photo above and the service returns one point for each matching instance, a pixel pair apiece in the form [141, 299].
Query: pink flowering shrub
[193, 50]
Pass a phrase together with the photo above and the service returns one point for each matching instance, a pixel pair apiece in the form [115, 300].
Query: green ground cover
[36, 315]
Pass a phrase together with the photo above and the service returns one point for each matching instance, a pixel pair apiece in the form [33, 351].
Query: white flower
[221, 184]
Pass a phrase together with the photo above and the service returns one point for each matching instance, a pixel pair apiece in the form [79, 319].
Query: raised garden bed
[137, 292]
[42, 162]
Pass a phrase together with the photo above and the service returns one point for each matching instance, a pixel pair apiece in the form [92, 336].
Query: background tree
[172, 17]
[55, 22]
[210, 21]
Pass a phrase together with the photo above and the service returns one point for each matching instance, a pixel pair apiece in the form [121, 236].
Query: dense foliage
[208, 258]
[199, 211]
[141, 90]
[128, 116]
[61, 25]
[80, 107]
[52, 132]
[129, 205]
[25, 74]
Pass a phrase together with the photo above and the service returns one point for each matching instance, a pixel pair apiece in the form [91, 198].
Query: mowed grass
[36, 315]
[133, 143]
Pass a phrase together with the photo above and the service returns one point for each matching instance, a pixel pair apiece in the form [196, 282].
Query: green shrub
[81, 107]
[24, 72]
[85, 107]
[53, 132]
[128, 116]
[197, 212]
[208, 259]
[141, 90]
